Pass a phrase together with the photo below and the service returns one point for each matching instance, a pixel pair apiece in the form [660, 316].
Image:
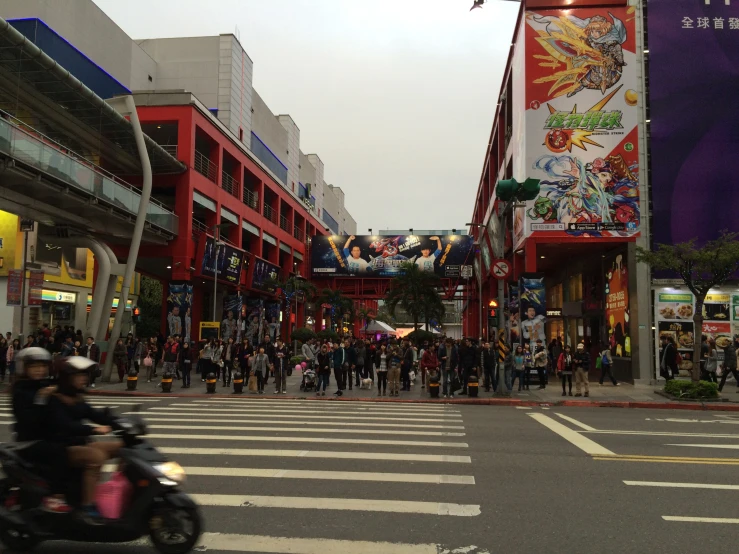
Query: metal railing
[170, 149]
[270, 213]
[37, 150]
[198, 228]
[251, 199]
[297, 233]
[284, 224]
[229, 184]
[205, 167]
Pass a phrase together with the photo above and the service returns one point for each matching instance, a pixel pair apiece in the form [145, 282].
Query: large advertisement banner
[581, 123]
[617, 307]
[179, 305]
[230, 326]
[228, 261]
[533, 306]
[694, 107]
[264, 275]
[372, 256]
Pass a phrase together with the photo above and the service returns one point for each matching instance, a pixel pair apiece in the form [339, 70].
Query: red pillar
[530, 264]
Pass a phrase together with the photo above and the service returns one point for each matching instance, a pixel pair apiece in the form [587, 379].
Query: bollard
[132, 380]
[433, 379]
[473, 386]
[238, 383]
[210, 383]
[167, 381]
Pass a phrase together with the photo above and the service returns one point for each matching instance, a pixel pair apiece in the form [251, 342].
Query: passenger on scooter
[67, 410]
[31, 392]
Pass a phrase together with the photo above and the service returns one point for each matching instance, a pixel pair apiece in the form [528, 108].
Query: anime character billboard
[581, 122]
[179, 304]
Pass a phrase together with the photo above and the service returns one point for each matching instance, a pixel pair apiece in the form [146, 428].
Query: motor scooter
[156, 506]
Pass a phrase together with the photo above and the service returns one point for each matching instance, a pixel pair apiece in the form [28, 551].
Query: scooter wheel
[16, 540]
[175, 530]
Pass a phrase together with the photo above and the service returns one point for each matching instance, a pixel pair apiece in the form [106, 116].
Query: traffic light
[493, 305]
[529, 189]
[136, 314]
[507, 189]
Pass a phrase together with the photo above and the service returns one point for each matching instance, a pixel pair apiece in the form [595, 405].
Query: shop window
[555, 297]
[574, 288]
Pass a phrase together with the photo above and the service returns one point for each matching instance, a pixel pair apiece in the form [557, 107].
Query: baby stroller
[309, 380]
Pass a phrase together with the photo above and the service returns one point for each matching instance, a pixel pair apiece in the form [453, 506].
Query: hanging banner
[264, 275]
[253, 311]
[15, 283]
[35, 287]
[514, 330]
[272, 316]
[230, 327]
[179, 305]
[228, 261]
[533, 302]
[617, 307]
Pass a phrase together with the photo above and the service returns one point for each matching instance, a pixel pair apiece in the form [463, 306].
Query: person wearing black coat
[467, 362]
[581, 365]
[406, 366]
[668, 361]
[323, 369]
[188, 358]
[486, 357]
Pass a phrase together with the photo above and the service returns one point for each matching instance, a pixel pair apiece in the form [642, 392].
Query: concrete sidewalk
[624, 395]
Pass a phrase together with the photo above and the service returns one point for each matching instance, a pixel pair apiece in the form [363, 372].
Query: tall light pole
[217, 238]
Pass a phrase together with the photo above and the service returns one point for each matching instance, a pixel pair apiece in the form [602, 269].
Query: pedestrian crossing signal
[136, 314]
[493, 305]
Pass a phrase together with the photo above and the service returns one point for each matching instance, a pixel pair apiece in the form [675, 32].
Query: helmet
[31, 355]
[67, 368]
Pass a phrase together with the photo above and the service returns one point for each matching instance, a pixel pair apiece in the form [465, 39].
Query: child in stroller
[309, 378]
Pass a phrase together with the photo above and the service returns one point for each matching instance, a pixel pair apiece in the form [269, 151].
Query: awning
[43, 94]
[380, 327]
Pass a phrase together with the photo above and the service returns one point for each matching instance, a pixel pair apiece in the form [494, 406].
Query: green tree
[410, 290]
[384, 316]
[366, 316]
[701, 268]
[433, 308]
[150, 301]
[341, 306]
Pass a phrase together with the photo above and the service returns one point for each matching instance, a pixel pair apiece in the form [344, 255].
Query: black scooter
[156, 507]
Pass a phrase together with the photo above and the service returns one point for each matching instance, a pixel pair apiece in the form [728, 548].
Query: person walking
[564, 369]
[91, 351]
[260, 367]
[228, 357]
[449, 364]
[170, 355]
[467, 360]
[541, 358]
[341, 364]
[323, 369]
[309, 352]
[393, 374]
[406, 365]
[13, 349]
[381, 364]
[216, 363]
[668, 360]
[360, 361]
[710, 364]
[528, 363]
[139, 353]
[187, 358]
[281, 359]
[729, 366]
[429, 362]
[606, 366]
[519, 368]
[581, 365]
[120, 358]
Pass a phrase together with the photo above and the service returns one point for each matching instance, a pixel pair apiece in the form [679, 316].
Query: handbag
[456, 383]
[147, 361]
[252, 384]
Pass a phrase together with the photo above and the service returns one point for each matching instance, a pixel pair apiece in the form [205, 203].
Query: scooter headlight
[172, 471]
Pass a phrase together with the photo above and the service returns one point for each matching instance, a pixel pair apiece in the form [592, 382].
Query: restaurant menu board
[674, 317]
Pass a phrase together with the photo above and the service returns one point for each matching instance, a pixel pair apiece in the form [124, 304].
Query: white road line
[575, 422]
[583, 443]
[665, 434]
[523, 407]
[328, 404]
[293, 417]
[341, 504]
[721, 446]
[203, 409]
[682, 485]
[306, 430]
[331, 475]
[298, 422]
[285, 545]
[320, 454]
[258, 438]
[734, 521]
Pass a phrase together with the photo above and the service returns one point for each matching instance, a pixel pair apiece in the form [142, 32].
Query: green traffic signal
[507, 189]
[529, 189]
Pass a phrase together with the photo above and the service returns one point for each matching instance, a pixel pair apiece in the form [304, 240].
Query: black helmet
[31, 355]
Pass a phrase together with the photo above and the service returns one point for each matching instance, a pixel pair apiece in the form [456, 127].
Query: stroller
[309, 379]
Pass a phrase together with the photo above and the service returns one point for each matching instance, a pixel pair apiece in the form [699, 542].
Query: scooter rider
[67, 411]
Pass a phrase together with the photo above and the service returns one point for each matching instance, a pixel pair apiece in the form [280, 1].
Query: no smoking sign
[501, 269]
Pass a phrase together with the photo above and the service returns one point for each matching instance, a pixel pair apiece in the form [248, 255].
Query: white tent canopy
[380, 327]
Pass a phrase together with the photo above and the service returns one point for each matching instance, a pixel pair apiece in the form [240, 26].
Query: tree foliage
[415, 291]
[150, 301]
[303, 334]
[341, 306]
[366, 316]
[701, 268]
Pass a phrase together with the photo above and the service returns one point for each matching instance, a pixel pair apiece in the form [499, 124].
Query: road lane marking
[583, 443]
[662, 434]
[302, 417]
[721, 446]
[682, 485]
[683, 519]
[328, 404]
[306, 430]
[294, 422]
[669, 460]
[575, 422]
[297, 411]
[340, 504]
[331, 475]
[321, 454]
[259, 438]
[286, 545]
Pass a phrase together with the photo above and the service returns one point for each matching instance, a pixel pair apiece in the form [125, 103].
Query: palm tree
[432, 308]
[366, 316]
[410, 291]
[341, 306]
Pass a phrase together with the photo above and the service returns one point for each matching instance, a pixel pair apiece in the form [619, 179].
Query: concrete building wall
[307, 173]
[189, 63]
[293, 151]
[318, 185]
[235, 72]
[270, 131]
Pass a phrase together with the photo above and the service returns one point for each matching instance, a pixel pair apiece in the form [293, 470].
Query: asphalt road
[281, 475]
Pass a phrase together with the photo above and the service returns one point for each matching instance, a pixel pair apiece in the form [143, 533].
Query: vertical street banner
[179, 306]
[617, 307]
[253, 314]
[581, 123]
[230, 327]
[15, 283]
[694, 107]
[514, 316]
[35, 287]
[533, 308]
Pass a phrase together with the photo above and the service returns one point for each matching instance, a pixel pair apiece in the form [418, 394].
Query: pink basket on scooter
[112, 497]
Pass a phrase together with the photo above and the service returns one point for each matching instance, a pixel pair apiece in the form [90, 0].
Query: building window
[330, 222]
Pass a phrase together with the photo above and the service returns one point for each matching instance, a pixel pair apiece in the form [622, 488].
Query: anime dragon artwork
[590, 49]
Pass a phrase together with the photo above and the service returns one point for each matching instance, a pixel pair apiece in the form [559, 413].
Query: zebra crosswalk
[286, 476]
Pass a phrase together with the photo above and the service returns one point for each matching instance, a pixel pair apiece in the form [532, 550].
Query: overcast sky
[397, 97]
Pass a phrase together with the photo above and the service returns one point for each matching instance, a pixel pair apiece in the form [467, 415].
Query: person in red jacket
[429, 361]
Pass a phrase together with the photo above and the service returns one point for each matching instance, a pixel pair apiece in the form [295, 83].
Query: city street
[277, 475]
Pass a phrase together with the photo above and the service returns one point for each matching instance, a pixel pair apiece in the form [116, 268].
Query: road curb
[718, 407]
